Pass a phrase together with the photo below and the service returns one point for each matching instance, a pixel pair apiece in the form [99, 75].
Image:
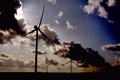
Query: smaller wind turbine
[37, 29]
[47, 62]
[71, 62]
[50, 62]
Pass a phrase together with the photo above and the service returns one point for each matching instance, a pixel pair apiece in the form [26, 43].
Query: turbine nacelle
[35, 27]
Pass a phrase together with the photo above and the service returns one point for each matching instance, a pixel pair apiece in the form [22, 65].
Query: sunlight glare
[19, 14]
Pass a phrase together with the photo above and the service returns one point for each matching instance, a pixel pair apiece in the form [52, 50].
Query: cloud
[82, 64]
[9, 61]
[110, 21]
[53, 1]
[112, 7]
[108, 9]
[60, 14]
[19, 14]
[111, 3]
[50, 33]
[117, 60]
[40, 52]
[76, 52]
[13, 24]
[57, 22]
[51, 62]
[95, 5]
[10, 27]
[6, 35]
[4, 55]
[20, 41]
[112, 47]
[69, 25]
[102, 12]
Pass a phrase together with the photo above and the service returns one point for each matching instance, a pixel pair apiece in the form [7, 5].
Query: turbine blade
[41, 16]
[46, 37]
[28, 33]
[69, 62]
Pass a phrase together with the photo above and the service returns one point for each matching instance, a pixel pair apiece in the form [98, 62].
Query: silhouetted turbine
[71, 61]
[37, 28]
[47, 62]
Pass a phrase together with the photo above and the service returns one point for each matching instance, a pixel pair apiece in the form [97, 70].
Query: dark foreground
[61, 76]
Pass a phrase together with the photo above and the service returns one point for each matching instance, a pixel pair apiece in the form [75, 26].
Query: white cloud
[102, 12]
[111, 47]
[57, 22]
[111, 3]
[69, 25]
[10, 61]
[53, 1]
[60, 14]
[110, 21]
[94, 5]
[20, 41]
[89, 9]
[19, 14]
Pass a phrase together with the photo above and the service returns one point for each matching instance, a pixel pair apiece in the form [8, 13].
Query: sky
[89, 25]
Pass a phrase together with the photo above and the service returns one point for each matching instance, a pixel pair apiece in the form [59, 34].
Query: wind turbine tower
[37, 29]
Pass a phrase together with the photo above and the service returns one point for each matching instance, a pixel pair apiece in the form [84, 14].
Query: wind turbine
[71, 61]
[50, 62]
[37, 29]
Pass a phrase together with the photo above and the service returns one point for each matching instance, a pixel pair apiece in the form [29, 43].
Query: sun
[19, 14]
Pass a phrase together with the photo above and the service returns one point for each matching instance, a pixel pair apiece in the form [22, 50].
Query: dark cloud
[40, 52]
[4, 55]
[9, 61]
[76, 52]
[51, 62]
[9, 25]
[96, 59]
[112, 47]
[6, 35]
[63, 52]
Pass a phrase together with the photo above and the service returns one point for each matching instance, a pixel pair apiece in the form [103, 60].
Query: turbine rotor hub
[35, 27]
